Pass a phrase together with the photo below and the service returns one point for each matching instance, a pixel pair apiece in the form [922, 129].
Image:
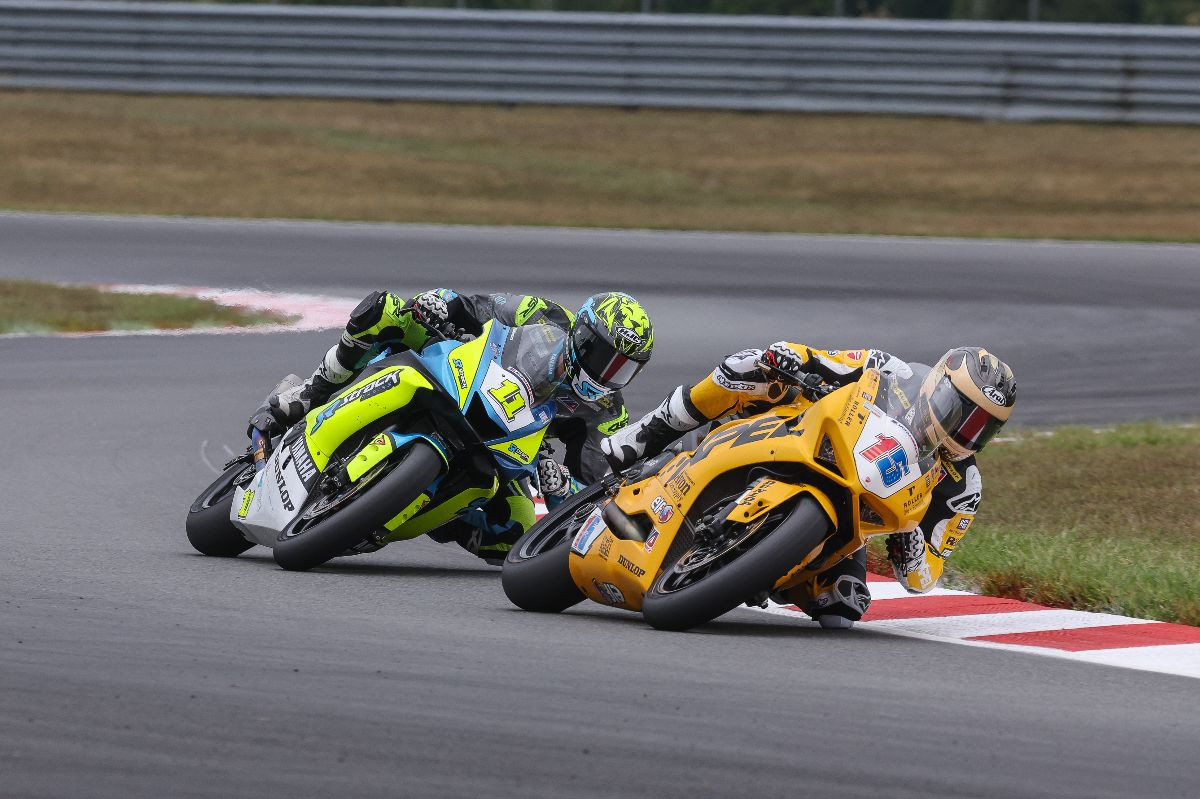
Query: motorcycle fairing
[328, 426]
[472, 373]
[272, 499]
[821, 449]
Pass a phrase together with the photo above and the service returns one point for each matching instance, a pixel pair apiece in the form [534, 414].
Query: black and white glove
[781, 362]
[553, 478]
[906, 551]
[428, 309]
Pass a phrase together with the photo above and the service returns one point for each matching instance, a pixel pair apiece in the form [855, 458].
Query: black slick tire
[208, 526]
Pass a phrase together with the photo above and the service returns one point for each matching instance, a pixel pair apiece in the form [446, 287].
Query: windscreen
[536, 351]
[898, 397]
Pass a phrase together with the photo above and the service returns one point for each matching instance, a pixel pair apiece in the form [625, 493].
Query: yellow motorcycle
[761, 505]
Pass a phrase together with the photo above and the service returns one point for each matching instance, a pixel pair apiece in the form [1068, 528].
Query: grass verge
[31, 307]
[1101, 521]
[413, 162]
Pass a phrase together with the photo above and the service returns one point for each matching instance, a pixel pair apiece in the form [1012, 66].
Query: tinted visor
[600, 361]
[970, 426]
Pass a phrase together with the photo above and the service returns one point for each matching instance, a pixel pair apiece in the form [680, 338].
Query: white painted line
[1022, 621]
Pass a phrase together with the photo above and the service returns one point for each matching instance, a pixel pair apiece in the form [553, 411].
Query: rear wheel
[339, 522]
[720, 573]
[537, 574]
[208, 526]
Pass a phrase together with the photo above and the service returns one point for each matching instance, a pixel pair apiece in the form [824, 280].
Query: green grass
[598, 167]
[31, 307]
[1102, 521]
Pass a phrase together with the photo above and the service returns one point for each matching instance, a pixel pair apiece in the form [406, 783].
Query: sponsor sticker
[963, 524]
[651, 540]
[247, 498]
[995, 395]
[889, 457]
[630, 566]
[662, 510]
[303, 461]
[611, 594]
[754, 492]
[588, 533]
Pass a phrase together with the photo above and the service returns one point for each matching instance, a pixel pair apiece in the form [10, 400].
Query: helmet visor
[600, 361]
[968, 425]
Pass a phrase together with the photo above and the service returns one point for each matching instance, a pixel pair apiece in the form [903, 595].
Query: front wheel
[706, 583]
[537, 572]
[208, 526]
[346, 520]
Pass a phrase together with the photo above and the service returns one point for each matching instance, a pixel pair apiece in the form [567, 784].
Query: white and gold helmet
[965, 400]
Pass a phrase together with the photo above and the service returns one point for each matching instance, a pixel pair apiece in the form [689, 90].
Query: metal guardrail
[1013, 71]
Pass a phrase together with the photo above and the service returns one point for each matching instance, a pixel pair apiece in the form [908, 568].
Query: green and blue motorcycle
[417, 440]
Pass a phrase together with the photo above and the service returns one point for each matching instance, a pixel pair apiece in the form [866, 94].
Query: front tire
[348, 526]
[537, 572]
[672, 604]
[208, 526]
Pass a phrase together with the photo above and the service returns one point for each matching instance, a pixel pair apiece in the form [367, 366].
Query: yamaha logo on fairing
[302, 461]
[995, 395]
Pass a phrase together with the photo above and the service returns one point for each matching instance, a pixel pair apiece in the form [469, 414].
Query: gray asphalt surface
[130, 666]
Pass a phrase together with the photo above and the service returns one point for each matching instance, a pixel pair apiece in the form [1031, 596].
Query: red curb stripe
[956, 605]
[1116, 636]
[872, 577]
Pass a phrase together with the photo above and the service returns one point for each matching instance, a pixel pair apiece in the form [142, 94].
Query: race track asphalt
[130, 666]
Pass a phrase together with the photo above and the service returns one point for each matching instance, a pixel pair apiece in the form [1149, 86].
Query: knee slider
[368, 312]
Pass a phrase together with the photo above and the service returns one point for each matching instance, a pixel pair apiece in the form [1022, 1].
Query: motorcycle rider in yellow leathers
[972, 380]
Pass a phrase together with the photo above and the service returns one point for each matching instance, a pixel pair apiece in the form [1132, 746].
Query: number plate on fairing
[885, 455]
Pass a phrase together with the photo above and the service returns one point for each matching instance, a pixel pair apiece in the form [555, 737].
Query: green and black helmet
[611, 340]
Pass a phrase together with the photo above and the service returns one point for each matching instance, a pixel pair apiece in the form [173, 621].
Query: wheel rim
[712, 554]
[330, 503]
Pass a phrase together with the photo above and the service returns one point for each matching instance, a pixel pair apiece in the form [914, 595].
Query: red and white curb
[313, 311]
[965, 618]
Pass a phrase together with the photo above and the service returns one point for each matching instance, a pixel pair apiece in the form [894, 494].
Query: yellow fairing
[420, 517]
[357, 406]
[821, 438]
[369, 457]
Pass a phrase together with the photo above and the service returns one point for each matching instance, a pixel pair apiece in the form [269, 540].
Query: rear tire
[537, 572]
[754, 571]
[350, 525]
[208, 526]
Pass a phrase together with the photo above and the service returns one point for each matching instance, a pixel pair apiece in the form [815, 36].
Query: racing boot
[835, 598]
[843, 604]
[652, 433]
[291, 405]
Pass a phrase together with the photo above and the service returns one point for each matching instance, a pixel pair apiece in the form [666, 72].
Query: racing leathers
[385, 320]
[740, 385]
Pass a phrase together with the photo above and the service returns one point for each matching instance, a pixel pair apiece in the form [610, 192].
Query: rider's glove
[428, 308]
[906, 551]
[781, 362]
[553, 477]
